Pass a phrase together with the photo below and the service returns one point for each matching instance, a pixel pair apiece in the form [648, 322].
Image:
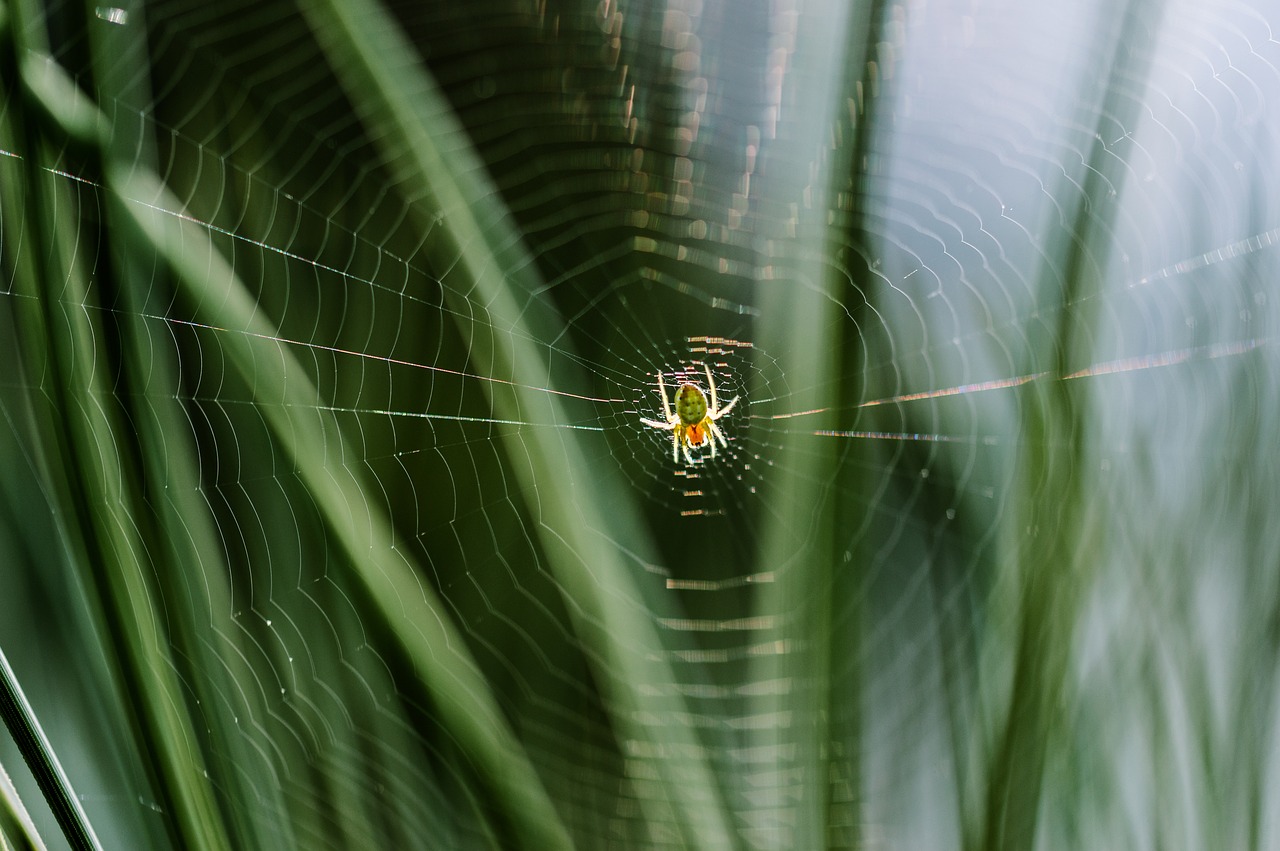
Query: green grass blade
[411, 609]
[82, 454]
[16, 828]
[36, 750]
[427, 147]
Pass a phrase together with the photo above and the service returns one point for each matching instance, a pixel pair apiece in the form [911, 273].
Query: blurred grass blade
[87, 466]
[36, 750]
[16, 828]
[411, 609]
[424, 141]
[1055, 565]
[800, 315]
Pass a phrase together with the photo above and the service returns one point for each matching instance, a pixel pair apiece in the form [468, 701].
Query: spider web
[1053, 240]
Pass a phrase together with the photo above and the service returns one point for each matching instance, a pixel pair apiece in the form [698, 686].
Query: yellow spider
[694, 422]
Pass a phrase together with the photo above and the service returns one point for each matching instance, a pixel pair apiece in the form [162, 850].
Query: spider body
[691, 405]
[694, 420]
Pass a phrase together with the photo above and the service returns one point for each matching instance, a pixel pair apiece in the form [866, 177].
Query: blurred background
[328, 518]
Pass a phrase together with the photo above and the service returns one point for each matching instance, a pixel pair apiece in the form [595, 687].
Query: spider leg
[715, 409]
[687, 457]
[675, 446]
[716, 432]
[655, 424]
[662, 391]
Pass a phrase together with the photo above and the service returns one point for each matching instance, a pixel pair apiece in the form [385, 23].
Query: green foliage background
[244, 624]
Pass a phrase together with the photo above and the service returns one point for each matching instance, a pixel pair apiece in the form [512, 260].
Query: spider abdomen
[691, 405]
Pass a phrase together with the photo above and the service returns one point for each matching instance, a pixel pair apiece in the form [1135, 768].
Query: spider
[694, 421]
